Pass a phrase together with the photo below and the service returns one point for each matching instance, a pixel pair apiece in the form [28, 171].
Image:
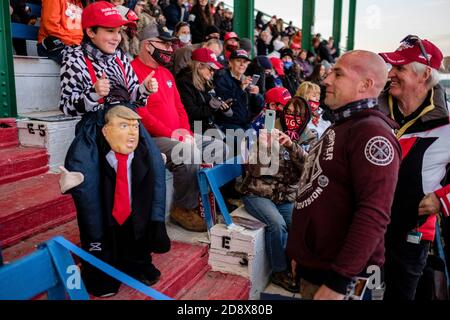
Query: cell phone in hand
[255, 79]
[269, 121]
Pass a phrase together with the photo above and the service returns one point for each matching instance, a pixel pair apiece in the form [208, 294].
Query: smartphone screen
[255, 79]
[269, 122]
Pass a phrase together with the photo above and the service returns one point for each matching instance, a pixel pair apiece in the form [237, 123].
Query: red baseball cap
[207, 56]
[102, 14]
[278, 65]
[295, 45]
[278, 95]
[410, 51]
[230, 35]
[127, 13]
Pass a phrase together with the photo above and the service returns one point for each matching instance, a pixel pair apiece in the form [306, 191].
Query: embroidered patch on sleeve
[379, 151]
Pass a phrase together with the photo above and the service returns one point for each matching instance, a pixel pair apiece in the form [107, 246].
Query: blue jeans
[278, 218]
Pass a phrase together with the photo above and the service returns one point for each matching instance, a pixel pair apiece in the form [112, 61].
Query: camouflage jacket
[279, 179]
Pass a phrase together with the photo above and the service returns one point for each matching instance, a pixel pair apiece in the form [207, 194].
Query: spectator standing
[200, 19]
[416, 101]
[346, 179]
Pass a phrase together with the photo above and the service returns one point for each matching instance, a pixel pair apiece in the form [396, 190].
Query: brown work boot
[188, 219]
[285, 280]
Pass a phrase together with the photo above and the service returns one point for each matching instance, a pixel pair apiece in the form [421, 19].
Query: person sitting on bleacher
[197, 90]
[60, 27]
[269, 193]
[232, 83]
[166, 120]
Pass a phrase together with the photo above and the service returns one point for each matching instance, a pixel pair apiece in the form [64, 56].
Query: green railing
[8, 106]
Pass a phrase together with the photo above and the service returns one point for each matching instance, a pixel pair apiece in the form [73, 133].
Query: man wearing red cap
[166, 120]
[416, 101]
[230, 44]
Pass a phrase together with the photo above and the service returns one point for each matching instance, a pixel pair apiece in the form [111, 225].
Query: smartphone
[357, 289]
[255, 79]
[269, 121]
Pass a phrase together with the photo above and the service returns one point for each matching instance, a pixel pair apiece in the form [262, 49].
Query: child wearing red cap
[96, 76]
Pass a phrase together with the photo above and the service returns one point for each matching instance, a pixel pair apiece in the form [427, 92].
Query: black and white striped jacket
[77, 90]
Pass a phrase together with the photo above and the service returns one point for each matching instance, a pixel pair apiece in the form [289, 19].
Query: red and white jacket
[424, 138]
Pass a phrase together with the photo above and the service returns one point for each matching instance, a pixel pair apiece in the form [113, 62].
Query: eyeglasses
[412, 40]
[167, 45]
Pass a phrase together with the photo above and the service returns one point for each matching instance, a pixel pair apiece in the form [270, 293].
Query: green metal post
[7, 87]
[351, 25]
[337, 24]
[307, 23]
[244, 19]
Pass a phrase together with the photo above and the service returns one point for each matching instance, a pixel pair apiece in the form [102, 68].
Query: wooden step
[17, 163]
[218, 286]
[31, 206]
[9, 136]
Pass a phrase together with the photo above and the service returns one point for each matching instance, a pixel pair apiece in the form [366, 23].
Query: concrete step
[37, 84]
[8, 133]
[17, 163]
[31, 206]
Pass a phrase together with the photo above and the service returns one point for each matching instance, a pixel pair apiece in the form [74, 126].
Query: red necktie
[122, 207]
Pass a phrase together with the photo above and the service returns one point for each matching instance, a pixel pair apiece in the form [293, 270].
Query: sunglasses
[167, 45]
[412, 40]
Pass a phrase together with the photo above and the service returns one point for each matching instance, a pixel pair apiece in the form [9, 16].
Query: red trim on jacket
[444, 196]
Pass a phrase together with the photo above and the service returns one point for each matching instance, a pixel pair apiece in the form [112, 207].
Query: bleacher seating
[24, 31]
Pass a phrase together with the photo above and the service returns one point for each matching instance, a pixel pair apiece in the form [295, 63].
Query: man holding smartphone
[347, 185]
[232, 83]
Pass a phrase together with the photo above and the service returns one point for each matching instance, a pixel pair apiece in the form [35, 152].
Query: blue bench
[45, 270]
[211, 179]
[24, 31]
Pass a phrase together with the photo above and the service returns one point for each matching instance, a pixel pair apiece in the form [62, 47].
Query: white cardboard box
[56, 137]
[240, 252]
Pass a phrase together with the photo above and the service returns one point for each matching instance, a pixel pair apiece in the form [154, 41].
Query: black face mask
[162, 57]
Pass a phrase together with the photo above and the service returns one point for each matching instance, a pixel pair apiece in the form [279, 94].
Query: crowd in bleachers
[184, 70]
[188, 67]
